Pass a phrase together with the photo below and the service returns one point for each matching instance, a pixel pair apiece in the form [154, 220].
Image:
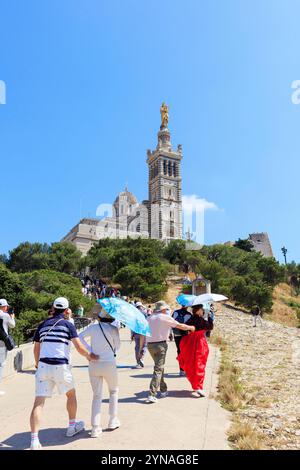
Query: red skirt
[193, 357]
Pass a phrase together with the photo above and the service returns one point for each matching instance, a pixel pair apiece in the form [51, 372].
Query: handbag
[6, 338]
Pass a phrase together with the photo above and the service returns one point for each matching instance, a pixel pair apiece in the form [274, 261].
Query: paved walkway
[179, 421]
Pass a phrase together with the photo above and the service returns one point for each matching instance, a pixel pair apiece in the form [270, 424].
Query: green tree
[28, 257]
[245, 245]
[12, 288]
[64, 257]
[175, 252]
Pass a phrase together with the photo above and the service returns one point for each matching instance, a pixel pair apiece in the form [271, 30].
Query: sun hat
[61, 302]
[139, 304]
[160, 305]
[3, 303]
[103, 314]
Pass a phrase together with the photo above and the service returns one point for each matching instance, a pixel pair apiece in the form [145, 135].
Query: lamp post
[284, 252]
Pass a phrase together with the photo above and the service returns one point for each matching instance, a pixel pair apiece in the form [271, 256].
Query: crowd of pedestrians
[99, 344]
[97, 288]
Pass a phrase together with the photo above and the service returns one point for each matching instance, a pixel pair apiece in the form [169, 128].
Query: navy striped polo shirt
[55, 347]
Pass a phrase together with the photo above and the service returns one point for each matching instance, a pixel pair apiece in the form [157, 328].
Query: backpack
[6, 338]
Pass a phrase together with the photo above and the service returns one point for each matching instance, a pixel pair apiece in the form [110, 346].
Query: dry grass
[218, 341]
[231, 394]
[244, 437]
[282, 313]
[230, 390]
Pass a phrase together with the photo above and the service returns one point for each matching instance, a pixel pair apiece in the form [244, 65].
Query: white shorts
[48, 376]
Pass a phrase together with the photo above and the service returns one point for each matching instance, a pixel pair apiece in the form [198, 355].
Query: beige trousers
[98, 372]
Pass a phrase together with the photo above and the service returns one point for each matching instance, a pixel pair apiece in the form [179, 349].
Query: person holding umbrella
[104, 342]
[194, 350]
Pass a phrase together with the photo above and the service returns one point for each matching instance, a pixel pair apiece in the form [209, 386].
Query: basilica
[158, 217]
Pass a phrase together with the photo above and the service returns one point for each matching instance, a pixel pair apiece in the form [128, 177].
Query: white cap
[61, 302]
[3, 303]
[139, 304]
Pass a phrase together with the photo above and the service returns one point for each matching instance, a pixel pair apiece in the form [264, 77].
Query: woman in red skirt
[194, 350]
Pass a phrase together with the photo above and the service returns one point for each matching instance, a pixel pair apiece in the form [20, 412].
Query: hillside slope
[281, 312]
[269, 361]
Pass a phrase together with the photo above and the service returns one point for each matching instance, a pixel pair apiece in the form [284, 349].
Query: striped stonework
[165, 214]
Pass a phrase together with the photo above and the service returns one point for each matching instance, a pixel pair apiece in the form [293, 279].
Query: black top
[181, 315]
[200, 324]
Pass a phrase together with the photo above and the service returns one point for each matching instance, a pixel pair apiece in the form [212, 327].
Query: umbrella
[126, 314]
[203, 298]
[186, 300]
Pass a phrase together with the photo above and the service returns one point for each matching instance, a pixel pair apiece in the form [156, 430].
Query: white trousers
[108, 371]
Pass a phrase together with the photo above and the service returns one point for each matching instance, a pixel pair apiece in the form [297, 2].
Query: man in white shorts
[52, 355]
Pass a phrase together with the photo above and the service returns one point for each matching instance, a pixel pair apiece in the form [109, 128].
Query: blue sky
[84, 83]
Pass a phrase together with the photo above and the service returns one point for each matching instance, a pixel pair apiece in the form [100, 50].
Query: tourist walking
[256, 315]
[160, 325]
[140, 340]
[52, 358]
[194, 350]
[7, 320]
[105, 342]
[181, 315]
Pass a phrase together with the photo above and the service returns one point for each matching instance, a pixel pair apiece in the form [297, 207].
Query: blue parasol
[127, 314]
[186, 300]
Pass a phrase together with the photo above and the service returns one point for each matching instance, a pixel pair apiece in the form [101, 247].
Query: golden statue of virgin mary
[164, 112]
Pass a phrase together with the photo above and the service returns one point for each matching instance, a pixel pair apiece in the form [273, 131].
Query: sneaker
[151, 399]
[141, 363]
[163, 394]
[35, 445]
[182, 373]
[2, 393]
[138, 366]
[200, 392]
[72, 430]
[96, 431]
[114, 423]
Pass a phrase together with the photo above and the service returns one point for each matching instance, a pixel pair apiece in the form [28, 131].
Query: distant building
[159, 217]
[261, 243]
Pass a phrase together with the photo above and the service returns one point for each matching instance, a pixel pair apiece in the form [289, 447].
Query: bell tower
[165, 199]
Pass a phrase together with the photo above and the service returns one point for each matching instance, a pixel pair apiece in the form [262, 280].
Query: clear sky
[84, 83]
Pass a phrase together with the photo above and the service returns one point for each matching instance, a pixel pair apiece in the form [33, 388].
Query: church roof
[129, 196]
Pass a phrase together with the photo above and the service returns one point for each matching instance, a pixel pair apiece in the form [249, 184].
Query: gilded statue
[164, 112]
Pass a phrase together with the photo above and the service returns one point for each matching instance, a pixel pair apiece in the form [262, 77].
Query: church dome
[126, 196]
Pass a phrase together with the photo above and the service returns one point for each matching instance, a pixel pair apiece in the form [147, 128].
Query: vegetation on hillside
[32, 294]
[34, 273]
[60, 256]
[245, 277]
[138, 265]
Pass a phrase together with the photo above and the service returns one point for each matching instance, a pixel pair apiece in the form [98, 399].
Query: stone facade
[261, 243]
[159, 217]
[165, 189]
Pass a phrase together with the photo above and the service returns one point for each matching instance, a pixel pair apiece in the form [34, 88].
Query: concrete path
[179, 421]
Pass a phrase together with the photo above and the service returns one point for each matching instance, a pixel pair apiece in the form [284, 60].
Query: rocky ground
[269, 359]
